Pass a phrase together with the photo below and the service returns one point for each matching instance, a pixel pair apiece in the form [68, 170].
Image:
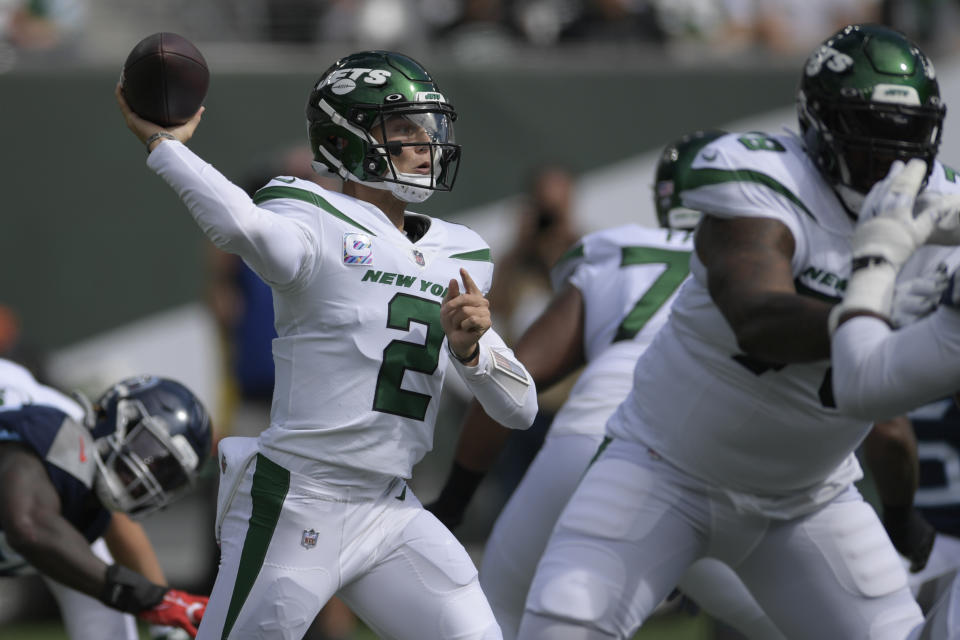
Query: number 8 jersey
[765, 432]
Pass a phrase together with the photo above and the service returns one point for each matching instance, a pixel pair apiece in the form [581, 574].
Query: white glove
[917, 297]
[887, 234]
[945, 211]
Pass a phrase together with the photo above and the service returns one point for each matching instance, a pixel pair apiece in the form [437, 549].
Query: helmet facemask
[141, 466]
[427, 130]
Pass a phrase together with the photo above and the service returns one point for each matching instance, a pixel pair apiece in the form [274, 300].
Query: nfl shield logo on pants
[309, 539]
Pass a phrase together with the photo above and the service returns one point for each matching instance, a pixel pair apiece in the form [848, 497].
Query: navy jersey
[66, 449]
[937, 426]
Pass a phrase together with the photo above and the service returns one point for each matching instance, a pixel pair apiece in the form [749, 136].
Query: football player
[614, 290]
[729, 444]
[70, 472]
[373, 304]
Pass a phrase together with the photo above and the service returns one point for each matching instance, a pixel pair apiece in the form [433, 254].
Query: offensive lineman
[614, 290]
[729, 445]
[369, 312]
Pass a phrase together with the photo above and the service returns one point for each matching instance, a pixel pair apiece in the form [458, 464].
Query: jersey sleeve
[500, 383]
[568, 264]
[737, 177]
[878, 372]
[67, 452]
[280, 249]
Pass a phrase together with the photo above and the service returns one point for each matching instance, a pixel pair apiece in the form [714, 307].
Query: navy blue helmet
[153, 434]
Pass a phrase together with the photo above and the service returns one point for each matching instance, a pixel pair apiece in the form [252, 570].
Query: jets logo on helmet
[868, 96]
[830, 58]
[372, 107]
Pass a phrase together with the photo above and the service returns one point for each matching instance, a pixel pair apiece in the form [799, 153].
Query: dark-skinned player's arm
[749, 276]
[550, 349]
[31, 519]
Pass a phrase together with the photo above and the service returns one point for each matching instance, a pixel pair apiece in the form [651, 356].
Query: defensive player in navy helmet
[70, 473]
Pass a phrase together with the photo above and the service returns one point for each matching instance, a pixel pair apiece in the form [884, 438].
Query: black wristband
[129, 591]
[473, 354]
[460, 486]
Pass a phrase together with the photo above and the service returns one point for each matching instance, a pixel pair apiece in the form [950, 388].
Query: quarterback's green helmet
[366, 108]
[867, 97]
[672, 169]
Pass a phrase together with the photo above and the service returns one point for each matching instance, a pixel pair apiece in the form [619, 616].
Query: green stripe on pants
[270, 484]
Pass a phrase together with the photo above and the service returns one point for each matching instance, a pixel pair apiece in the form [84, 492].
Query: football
[165, 79]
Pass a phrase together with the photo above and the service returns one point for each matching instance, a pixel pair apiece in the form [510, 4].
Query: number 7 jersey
[628, 276]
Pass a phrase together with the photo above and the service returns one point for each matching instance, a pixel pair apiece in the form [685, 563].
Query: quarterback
[373, 303]
[729, 444]
[614, 290]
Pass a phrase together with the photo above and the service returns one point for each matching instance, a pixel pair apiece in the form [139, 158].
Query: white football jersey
[359, 363]
[767, 432]
[18, 388]
[628, 277]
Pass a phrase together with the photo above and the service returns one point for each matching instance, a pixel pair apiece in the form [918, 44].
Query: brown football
[165, 79]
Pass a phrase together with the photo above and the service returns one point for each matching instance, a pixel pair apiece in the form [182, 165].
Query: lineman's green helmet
[868, 96]
[672, 169]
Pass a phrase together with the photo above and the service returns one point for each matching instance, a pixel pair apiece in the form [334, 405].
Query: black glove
[452, 502]
[911, 534]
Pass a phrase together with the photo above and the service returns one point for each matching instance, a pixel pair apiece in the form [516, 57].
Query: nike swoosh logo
[403, 494]
[710, 157]
[285, 179]
[83, 450]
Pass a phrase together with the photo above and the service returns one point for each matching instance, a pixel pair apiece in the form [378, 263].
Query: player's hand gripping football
[177, 609]
[143, 129]
[464, 317]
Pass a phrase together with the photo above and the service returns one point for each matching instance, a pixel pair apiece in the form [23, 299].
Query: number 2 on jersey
[400, 356]
[677, 265]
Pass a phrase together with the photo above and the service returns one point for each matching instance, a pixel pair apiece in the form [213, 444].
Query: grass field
[680, 627]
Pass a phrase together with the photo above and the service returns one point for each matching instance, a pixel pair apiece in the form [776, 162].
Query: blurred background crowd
[470, 31]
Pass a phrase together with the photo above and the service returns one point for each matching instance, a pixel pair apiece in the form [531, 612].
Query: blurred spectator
[615, 21]
[243, 307]
[521, 290]
[484, 32]
[40, 24]
[791, 27]
[545, 229]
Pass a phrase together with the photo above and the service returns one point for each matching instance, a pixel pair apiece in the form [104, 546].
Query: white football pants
[520, 536]
[636, 523]
[288, 543]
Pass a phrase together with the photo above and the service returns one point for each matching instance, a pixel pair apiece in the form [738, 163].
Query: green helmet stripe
[274, 193]
[706, 177]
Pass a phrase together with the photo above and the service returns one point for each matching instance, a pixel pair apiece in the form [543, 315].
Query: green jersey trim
[274, 193]
[706, 177]
[270, 485]
[480, 255]
[572, 253]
